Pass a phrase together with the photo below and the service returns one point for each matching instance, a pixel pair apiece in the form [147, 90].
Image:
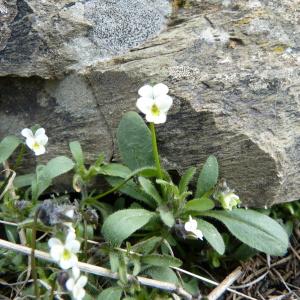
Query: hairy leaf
[201, 204]
[7, 146]
[254, 229]
[166, 216]
[208, 176]
[112, 293]
[161, 260]
[77, 153]
[185, 179]
[134, 141]
[212, 235]
[121, 224]
[150, 189]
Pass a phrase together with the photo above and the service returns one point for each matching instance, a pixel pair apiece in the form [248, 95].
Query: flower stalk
[155, 151]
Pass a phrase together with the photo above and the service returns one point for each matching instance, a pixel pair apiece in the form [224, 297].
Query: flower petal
[54, 242]
[39, 150]
[191, 225]
[42, 139]
[26, 132]
[56, 252]
[144, 104]
[70, 213]
[161, 118]
[73, 246]
[30, 142]
[164, 102]
[70, 284]
[160, 89]
[78, 293]
[71, 236]
[199, 234]
[40, 131]
[82, 281]
[146, 91]
[75, 272]
[68, 263]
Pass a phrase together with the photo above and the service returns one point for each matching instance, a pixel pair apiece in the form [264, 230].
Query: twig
[225, 284]
[295, 252]
[252, 282]
[170, 287]
[212, 282]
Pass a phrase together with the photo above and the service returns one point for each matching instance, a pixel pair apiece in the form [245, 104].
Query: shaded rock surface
[232, 68]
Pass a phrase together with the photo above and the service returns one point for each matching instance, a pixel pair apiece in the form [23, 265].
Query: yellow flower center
[36, 146]
[66, 254]
[155, 110]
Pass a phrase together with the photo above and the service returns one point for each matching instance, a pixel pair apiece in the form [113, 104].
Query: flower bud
[227, 198]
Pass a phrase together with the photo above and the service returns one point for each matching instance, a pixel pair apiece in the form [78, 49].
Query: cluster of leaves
[142, 225]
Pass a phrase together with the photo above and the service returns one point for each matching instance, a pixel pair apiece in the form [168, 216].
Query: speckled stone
[49, 38]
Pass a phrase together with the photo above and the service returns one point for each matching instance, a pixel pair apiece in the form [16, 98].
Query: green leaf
[208, 176]
[202, 204]
[162, 274]
[115, 170]
[147, 246]
[134, 141]
[58, 166]
[23, 180]
[136, 265]
[7, 146]
[121, 224]
[112, 293]
[114, 261]
[131, 189]
[254, 229]
[161, 260]
[166, 216]
[41, 181]
[150, 189]
[186, 179]
[77, 153]
[212, 235]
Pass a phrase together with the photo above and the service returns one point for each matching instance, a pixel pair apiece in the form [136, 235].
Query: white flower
[65, 254]
[36, 142]
[191, 226]
[76, 284]
[229, 200]
[70, 214]
[154, 102]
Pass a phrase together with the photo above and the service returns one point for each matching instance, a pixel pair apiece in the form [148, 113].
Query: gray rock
[47, 38]
[232, 68]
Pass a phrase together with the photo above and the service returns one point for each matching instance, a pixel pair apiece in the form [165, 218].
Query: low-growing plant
[139, 226]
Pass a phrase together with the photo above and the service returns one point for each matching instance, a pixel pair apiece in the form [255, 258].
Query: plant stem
[33, 262]
[155, 150]
[84, 267]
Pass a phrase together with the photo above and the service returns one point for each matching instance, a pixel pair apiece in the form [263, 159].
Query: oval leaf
[166, 216]
[58, 166]
[161, 260]
[162, 274]
[77, 153]
[121, 224]
[202, 204]
[208, 176]
[150, 189]
[185, 179]
[212, 235]
[254, 229]
[112, 293]
[7, 146]
[134, 141]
